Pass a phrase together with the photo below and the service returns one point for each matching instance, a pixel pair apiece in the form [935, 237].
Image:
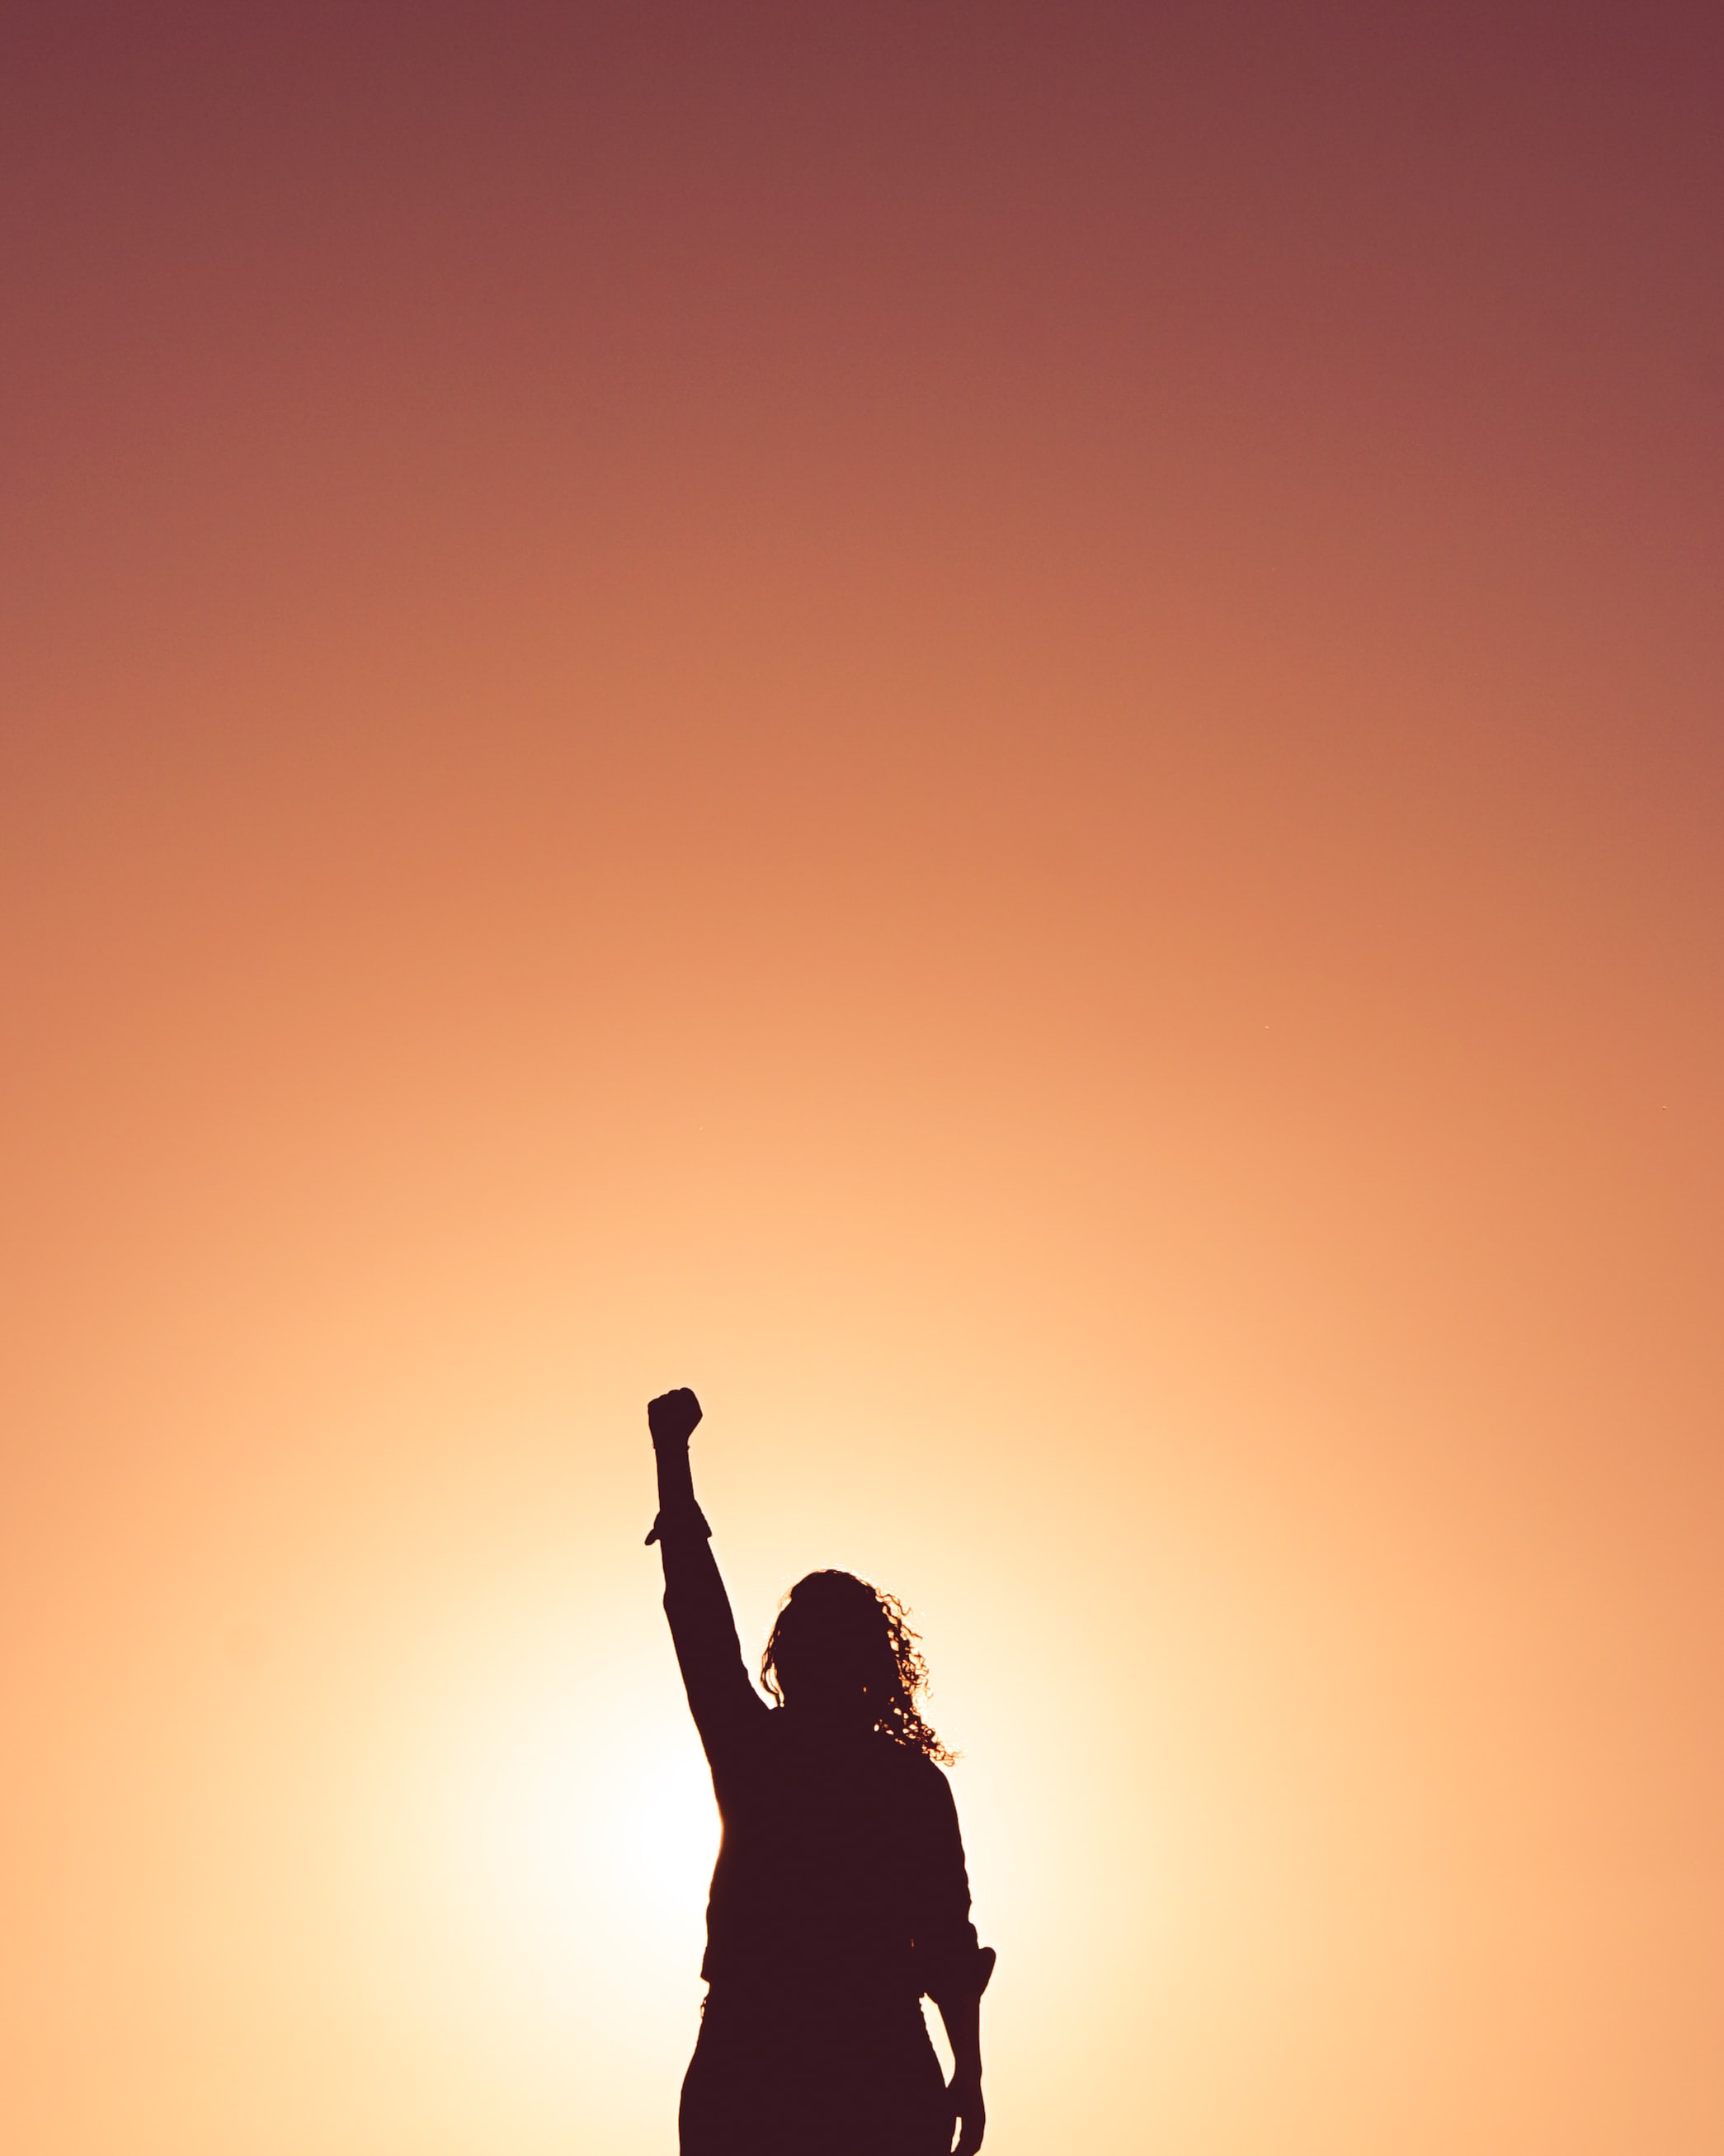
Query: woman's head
[842, 1651]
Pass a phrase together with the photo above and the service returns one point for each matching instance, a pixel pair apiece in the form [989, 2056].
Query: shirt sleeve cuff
[964, 1974]
[680, 1521]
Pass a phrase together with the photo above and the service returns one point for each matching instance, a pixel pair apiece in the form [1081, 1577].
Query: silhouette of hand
[969, 2114]
[671, 1418]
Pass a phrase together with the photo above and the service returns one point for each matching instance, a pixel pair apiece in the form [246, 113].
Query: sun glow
[559, 1823]
[573, 1834]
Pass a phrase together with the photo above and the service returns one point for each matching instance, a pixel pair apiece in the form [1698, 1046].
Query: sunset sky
[997, 730]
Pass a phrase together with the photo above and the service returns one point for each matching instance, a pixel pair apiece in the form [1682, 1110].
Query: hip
[819, 2075]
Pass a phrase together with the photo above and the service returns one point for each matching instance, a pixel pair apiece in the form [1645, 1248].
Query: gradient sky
[997, 730]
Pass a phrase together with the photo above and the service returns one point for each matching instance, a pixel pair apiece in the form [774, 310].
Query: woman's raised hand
[672, 1417]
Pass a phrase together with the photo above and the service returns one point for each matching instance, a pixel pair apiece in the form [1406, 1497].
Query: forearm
[678, 1510]
[694, 1593]
[676, 1478]
[961, 2013]
[963, 2017]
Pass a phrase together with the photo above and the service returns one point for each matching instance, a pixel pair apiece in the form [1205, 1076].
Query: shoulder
[913, 1771]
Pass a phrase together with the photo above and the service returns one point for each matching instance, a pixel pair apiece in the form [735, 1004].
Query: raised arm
[708, 1652]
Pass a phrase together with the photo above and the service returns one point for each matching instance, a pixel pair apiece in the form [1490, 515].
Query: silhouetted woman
[839, 1896]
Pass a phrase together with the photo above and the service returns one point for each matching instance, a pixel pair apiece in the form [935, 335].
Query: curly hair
[846, 1624]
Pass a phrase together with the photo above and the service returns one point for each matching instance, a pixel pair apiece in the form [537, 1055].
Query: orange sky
[996, 731]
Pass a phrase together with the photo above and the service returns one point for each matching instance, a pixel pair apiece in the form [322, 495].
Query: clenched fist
[671, 1418]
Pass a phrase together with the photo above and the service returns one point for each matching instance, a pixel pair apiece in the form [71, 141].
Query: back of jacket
[842, 1869]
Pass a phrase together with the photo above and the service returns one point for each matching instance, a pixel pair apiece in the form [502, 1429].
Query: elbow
[956, 1977]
